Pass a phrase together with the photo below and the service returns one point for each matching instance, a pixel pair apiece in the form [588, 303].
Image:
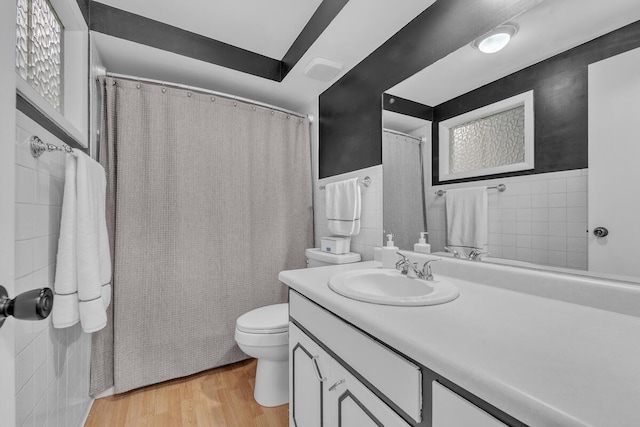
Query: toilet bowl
[263, 333]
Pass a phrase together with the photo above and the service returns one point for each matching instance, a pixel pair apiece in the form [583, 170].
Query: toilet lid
[319, 255]
[270, 319]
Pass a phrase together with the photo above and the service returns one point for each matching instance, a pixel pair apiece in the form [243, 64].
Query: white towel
[343, 205]
[83, 270]
[467, 217]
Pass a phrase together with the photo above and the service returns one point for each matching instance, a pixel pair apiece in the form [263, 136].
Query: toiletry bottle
[422, 246]
[389, 253]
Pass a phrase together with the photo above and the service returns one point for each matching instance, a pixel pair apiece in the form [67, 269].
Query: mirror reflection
[571, 203]
[404, 149]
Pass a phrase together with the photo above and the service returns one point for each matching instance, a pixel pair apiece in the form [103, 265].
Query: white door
[7, 205]
[614, 159]
[7, 383]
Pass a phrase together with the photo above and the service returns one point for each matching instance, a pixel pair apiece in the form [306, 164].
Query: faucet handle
[402, 263]
[455, 253]
[476, 253]
[404, 258]
[426, 270]
[427, 264]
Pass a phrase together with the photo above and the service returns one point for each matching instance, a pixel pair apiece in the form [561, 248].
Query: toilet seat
[261, 340]
[270, 319]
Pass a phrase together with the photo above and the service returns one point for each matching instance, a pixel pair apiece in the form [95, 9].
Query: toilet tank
[318, 258]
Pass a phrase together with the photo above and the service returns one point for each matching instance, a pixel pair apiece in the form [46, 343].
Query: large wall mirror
[572, 73]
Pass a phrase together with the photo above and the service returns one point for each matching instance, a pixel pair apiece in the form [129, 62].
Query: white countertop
[543, 361]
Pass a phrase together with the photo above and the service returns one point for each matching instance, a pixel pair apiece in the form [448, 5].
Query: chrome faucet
[426, 270]
[476, 254]
[404, 265]
[455, 253]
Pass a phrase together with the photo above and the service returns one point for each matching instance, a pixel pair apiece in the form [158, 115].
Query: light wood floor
[219, 397]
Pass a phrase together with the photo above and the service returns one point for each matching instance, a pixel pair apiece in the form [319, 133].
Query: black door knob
[35, 304]
[600, 232]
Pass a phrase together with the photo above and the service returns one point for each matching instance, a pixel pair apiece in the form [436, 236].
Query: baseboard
[108, 392]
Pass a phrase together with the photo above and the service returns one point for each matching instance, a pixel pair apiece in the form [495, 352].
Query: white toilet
[263, 333]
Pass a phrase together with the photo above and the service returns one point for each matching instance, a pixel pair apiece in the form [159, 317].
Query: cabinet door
[452, 410]
[308, 371]
[350, 403]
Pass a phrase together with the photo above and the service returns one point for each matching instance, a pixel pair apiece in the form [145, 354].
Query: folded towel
[343, 205]
[65, 307]
[83, 268]
[65, 310]
[467, 217]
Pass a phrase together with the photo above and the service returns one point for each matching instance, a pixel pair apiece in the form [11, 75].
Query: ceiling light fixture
[496, 39]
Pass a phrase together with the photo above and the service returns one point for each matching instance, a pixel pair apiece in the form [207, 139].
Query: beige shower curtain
[208, 198]
[404, 211]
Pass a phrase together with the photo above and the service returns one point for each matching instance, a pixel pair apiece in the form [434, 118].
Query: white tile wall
[539, 218]
[52, 365]
[371, 216]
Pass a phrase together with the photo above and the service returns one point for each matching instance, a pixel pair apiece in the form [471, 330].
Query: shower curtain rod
[209, 92]
[406, 135]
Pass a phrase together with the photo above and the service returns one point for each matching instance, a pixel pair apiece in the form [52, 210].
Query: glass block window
[39, 49]
[488, 142]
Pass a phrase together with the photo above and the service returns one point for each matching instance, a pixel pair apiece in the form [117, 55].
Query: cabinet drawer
[393, 375]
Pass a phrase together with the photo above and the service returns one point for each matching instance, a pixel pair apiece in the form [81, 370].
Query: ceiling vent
[323, 69]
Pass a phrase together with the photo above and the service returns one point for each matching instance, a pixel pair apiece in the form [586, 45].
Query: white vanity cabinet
[506, 352]
[324, 393]
[335, 368]
[342, 377]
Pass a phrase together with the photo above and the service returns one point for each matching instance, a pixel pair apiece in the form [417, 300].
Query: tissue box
[335, 244]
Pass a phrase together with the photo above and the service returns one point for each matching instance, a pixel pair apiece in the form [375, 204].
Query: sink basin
[390, 287]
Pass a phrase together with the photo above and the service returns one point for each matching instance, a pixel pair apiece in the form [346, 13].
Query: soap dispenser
[422, 246]
[389, 253]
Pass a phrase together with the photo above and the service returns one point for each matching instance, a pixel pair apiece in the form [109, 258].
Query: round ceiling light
[496, 39]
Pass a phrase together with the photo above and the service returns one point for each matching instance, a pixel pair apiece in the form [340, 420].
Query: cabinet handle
[318, 373]
[333, 387]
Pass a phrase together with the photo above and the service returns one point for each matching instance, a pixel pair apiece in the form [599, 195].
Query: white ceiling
[265, 27]
[402, 123]
[360, 28]
[551, 27]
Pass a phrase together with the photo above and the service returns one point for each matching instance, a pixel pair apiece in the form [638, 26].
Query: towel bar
[364, 181]
[499, 187]
[38, 147]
